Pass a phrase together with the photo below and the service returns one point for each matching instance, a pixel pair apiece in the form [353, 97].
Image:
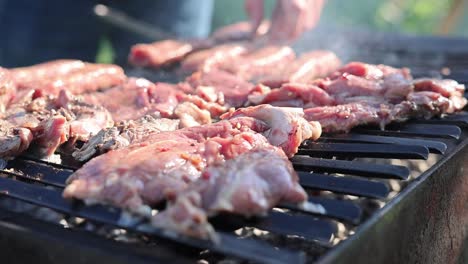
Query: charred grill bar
[426, 220]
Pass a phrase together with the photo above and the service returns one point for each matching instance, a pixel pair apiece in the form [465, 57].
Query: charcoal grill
[366, 202]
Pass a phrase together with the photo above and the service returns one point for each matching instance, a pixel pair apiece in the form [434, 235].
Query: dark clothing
[34, 31]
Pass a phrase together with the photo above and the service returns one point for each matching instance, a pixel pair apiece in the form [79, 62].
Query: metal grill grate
[334, 171]
[41, 183]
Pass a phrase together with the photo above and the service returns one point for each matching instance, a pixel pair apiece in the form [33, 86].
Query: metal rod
[121, 20]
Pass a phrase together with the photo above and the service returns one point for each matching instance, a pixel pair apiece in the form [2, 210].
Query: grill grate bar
[304, 226]
[344, 185]
[351, 167]
[44, 180]
[338, 208]
[364, 150]
[62, 165]
[229, 245]
[317, 232]
[38, 171]
[58, 180]
[458, 119]
[433, 145]
[419, 130]
[330, 210]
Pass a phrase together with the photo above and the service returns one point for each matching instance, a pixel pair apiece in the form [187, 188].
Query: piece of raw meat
[249, 185]
[305, 69]
[146, 173]
[208, 59]
[448, 88]
[13, 140]
[258, 63]
[52, 121]
[27, 76]
[162, 164]
[123, 134]
[7, 89]
[221, 87]
[160, 53]
[294, 95]
[73, 76]
[287, 127]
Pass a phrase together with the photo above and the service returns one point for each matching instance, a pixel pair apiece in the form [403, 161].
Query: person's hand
[254, 9]
[290, 18]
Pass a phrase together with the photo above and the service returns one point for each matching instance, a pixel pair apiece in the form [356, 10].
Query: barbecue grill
[371, 197]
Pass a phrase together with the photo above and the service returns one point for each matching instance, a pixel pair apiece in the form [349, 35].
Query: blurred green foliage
[105, 52]
[417, 16]
[412, 16]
